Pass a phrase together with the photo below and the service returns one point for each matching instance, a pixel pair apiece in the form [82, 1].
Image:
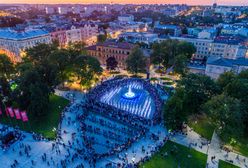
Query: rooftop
[123, 45]
[21, 35]
[233, 40]
[144, 34]
[228, 62]
[159, 26]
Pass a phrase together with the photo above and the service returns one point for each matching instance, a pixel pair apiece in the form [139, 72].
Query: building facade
[217, 66]
[120, 51]
[126, 18]
[59, 35]
[207, 47]
[139, 37]
[14, 43]
[89, 33]
[73, 35]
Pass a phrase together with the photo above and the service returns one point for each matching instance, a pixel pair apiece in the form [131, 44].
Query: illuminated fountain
[130, 94]
[132, 98]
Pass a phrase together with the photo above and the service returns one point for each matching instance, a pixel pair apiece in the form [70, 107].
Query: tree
[197, 90]
[86, 68]
[226, 113]
[180, 65]
[61, 59]
[236, 86]
[5, 92]
[239, 89]
[40, 53]
[101, 38]
[121, 39]
[6, 66]
[225, 79]
[48, 75]
[185, 48]
[174, 114]
[111, 63]
[172, 53]
[39, 100]
[33, 93]
[159, 55]
[136, 61]
[78, 47]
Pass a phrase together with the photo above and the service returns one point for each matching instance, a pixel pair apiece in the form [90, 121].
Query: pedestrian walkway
[213, 152]
[71, 142]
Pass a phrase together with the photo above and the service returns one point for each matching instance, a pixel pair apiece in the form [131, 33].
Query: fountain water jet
[130, 94]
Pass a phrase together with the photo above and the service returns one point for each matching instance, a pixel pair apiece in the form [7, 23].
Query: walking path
[71, 142]
[212, 149]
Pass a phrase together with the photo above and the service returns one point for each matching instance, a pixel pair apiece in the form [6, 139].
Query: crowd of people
[118, 128]
[94, 96]
[8, 136]
[115, 136]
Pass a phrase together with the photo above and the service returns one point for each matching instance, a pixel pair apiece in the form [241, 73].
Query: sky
[190, 2]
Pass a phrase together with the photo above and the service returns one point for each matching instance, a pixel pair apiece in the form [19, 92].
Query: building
[73, 35]
[243, 32]
[50, 10]
[76, 9]
[126, 18]
[89, 33]
[120, 51]
[63, 10]
[203, 46]
[194, 31]
[217, 66]
[170, 12]
[230, 47]
[85, 32]
[59, 35]
[229, 30]
[207, 12]
[139, 37]
[14, 43]
[167, 30]
[225, 47]
[207, 33]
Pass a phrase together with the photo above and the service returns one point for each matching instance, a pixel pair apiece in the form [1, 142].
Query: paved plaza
[69, 149]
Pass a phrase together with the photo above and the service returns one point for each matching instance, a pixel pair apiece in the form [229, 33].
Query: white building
[170, 12]
[207, 33]
[167, 30]
[63, 10]
[217, 66]
[14, 43]
[73, 35]
[126, 18]
[50, 10]
[206, 48]
[139, 37]
[89, 33]
[76, 9]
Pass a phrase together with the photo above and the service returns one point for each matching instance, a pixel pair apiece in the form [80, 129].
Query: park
[116, 120]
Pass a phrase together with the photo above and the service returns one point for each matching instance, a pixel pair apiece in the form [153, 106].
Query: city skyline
[189, 2]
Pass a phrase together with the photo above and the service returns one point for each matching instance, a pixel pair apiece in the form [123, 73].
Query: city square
[123, 84]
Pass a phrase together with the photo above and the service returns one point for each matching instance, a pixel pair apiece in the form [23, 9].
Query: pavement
[69, 145]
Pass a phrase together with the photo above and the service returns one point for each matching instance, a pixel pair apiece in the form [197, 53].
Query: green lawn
[177, 156]
[202, 125]
[47, 123]
[165, 79]
[241, 146]
[223, 164]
